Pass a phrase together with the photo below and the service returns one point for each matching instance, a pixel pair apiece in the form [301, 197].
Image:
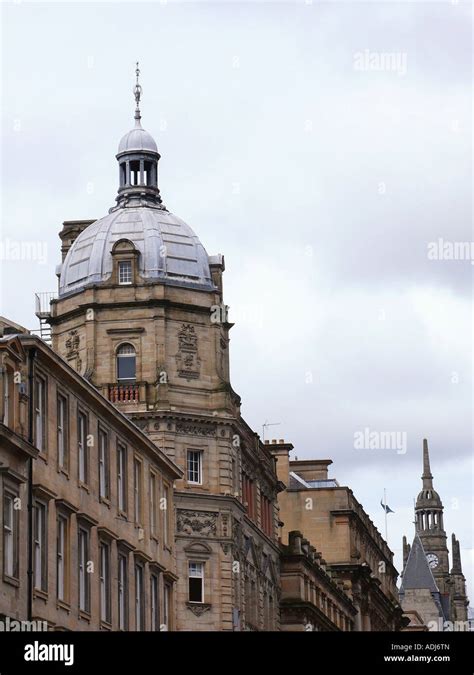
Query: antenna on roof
[268, 424]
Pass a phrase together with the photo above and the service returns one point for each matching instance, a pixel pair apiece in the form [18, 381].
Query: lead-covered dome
[137, 140]
[169, 250]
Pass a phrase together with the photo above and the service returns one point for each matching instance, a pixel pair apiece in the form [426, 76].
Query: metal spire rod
[137, 92]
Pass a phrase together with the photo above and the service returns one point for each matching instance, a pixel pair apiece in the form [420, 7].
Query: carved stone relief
[197, 522]
[195, 429]
[198, 610]
[187, 358]
[72, 349]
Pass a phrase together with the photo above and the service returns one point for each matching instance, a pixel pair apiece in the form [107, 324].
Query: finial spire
[427, 476]
[457, 568]
[137, 92]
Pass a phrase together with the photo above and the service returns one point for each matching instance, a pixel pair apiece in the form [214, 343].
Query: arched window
[126, 363]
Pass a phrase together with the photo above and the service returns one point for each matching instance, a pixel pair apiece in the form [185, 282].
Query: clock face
[432, 559]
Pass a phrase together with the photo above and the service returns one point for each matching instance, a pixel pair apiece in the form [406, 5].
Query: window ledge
[13, 581]
[198, 487]
[39, 594]
[62, 604]
[105, 501]
[83, 486]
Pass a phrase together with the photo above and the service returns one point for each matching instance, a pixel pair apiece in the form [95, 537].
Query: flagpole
[385, 509]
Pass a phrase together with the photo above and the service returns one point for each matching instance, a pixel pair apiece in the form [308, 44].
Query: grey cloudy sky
[321, 181]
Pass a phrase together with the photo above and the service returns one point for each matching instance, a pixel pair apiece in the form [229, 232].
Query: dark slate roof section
[417, 572]
[445, 606]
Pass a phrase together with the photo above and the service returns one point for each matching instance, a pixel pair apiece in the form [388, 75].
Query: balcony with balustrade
[126, 393]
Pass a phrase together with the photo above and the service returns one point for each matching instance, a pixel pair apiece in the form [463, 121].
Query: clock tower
[428, 586]
[430, 527]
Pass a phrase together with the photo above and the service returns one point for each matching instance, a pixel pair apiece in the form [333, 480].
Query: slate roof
[417, 572]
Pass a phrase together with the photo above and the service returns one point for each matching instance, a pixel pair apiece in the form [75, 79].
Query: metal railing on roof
[42, 303]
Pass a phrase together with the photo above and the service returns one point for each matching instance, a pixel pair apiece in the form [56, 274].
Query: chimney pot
[282, 440]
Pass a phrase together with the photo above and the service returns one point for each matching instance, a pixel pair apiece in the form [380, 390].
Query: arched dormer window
[126, 363]
[125, 262]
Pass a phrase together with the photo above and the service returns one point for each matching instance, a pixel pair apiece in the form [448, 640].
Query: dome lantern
[138, 158]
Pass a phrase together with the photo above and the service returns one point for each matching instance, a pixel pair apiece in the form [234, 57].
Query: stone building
[332, 519]
[99, 551]
[428, 586]
[140, 314]
[17, 452]
[310, 599]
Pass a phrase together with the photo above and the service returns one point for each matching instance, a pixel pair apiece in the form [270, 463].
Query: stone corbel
[198, 609]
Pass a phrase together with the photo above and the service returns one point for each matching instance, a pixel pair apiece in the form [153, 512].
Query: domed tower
[140, 313]
[140, 310]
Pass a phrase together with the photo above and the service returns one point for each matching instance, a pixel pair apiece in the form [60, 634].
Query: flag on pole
[386, 508]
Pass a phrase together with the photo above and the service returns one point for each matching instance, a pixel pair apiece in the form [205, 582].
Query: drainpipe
[31, 359]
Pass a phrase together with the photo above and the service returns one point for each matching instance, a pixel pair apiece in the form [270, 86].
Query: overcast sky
[319, 167]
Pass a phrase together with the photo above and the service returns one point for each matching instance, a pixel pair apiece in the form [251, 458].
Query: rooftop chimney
[281, 451]
[311, 469]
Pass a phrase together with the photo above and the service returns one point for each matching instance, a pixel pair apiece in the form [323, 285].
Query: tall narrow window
[126, 363]
[196, 582]
[153, 519]
[62, 420]
[166, 606]
[139, 598]
[122, 592]
[166, 515]
[10, 536]
[248, 494]
[154, 602]
[6, 396]
[40, 544]
[40, 414]
[83, 555]
[82, 450]
[134, 173]
[105, 582]
[254, 603]
[104, 482]
[137, 488]
[266, 515]
[235, 488]
[61, 558]
[122, 477]
[125, 272]
[194, 466]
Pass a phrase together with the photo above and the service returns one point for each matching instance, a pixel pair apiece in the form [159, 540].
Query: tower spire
[137, 92]
[427, 476]
[457, 568]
